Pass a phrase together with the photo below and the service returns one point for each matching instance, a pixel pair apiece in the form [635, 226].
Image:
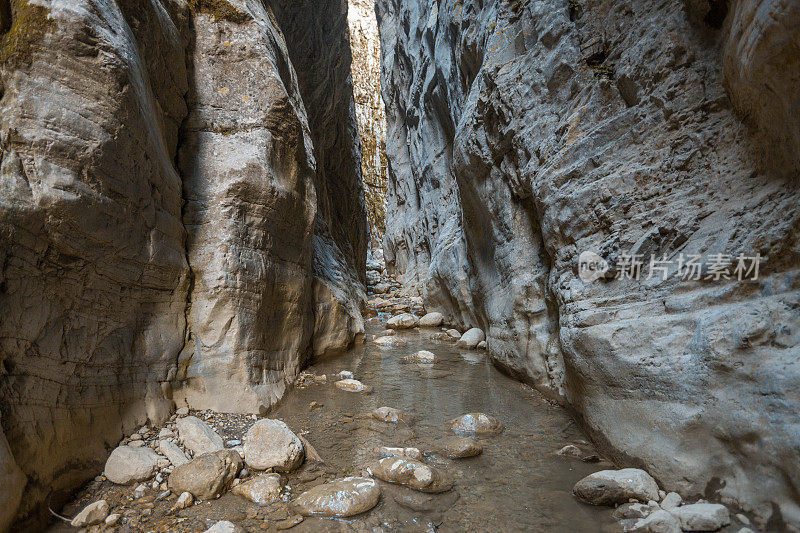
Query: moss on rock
[220, 10]
[29, 24]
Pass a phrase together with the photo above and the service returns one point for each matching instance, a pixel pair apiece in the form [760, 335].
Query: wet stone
[461, 447]
[352, 385]
[390, 415]
[341, 498]
[411, 473]
[422, 356]
[610, 487]
[476, 424]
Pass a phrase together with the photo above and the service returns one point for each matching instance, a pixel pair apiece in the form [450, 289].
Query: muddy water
[518, 483]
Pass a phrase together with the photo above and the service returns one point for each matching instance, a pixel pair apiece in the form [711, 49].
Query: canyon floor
[521, 481]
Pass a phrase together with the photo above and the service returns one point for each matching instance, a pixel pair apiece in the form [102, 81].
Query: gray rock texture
[164, 215]
[521, 134]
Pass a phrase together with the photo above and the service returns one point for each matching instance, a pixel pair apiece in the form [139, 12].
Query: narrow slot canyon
[399, 265]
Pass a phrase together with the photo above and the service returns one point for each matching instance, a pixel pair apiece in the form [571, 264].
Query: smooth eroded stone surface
[659, 521]
[431, 320]
[342, 497]
[198, 436]
[412, 474]
[610, 487]
[127, 464]
[476, 424]
[461, 447]
[391, 415]
[206, 476]
[404, 321]
[471, 338]
[271, 444]
[352, 385]
[422, 356]
[390, 340]
[702, 516]
[261, 489]
[681, 137]
[92, 514]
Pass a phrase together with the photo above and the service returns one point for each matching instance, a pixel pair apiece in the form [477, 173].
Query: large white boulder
[271, 444]
[610, 487]
[431, 320]
[198, 436]
[471, 338]
[127, 464]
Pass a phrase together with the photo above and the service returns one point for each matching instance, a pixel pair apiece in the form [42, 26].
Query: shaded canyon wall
[169, 229]
[523, 133]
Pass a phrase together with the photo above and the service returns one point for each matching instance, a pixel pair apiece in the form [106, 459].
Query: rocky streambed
[413, 430]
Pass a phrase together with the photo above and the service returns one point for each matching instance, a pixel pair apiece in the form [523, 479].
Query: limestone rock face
[181, 219]
[523, 134]
[13, 484]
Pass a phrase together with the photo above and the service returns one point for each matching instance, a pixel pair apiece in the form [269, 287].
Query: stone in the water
[224, 526]
[198, 436]
[659, 521]
[352, 385]
[460, 448]
[172, 452]
[671, 500]
[92, 514]
[702, 516]
[476, 424]
[345, 374]
[261, 489]
[129, 465]
[207, 476]
[471, 338]
[271, 444]
[570, 450]
[404, 321]
[610, 487]
[390, 415]
[453, 334]
[411, 473]
[422, 356]
[431, 320]
[342, 497]
[390, 340]
[391, 451]
[481, 345]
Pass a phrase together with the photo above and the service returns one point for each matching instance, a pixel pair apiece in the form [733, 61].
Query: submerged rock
[422, 356]
[610, 487]
[128, 464]
[453, 334]
[431, 320]
[343, 497]
[198, 436]
[461, 447]
[404, 321]
[271, 444]
[224, 526]
[471, 338]
[391, 451]
[207, 476]
[352, 385]
[390, 415]
[92, 514]
[476, 424]
[390, 340]
[411, 473]
[261, 489]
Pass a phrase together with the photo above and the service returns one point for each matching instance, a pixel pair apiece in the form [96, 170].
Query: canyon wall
[522, 133]
[164, 223]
